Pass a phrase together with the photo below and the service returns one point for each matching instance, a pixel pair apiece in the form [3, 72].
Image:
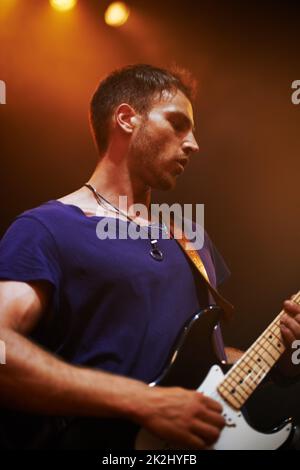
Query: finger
[292, 324]
[209, 434]
[287, 335]
[291, 307]
[212, 404]
[297, 318]
[213, 418]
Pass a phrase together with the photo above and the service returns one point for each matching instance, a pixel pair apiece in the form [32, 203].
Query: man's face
[163, 141]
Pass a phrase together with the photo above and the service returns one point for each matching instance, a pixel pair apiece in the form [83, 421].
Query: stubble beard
[145, 152]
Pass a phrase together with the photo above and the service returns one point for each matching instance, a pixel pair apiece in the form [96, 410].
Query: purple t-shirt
[113, 307]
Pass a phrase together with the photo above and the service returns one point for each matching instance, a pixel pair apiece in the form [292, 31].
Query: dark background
[245, 57]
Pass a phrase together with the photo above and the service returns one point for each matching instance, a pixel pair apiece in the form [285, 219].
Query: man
[103, 314]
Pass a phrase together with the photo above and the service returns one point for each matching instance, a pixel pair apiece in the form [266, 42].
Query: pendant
[155, 251]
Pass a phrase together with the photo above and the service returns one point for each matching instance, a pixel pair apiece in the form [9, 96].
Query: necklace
[155, 252]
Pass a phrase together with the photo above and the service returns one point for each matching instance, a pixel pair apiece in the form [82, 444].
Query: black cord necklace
[155, 252]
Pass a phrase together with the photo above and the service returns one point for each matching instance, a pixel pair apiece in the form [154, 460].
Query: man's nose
[190, 145]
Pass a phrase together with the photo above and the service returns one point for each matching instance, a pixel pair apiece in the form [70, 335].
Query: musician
[89, 322]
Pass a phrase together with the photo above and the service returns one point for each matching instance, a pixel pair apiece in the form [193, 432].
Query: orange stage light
[63, 5]
[116, 14]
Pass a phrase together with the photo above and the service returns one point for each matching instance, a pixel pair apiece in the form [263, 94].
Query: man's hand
[183, 418]
[290, 322]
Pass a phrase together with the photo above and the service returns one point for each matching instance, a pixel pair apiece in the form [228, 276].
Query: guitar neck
[244, 377]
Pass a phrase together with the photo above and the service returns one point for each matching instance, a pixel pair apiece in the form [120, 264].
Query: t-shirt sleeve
[221, 269]
[28, 253]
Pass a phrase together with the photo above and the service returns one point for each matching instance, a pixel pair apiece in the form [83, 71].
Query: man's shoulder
[47, 213]
[45, 225]
[50, 218]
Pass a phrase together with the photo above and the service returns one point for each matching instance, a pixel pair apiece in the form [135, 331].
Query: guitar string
[267, 332]
[239, 369]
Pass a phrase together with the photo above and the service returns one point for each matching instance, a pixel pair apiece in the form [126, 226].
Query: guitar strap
[195, 258]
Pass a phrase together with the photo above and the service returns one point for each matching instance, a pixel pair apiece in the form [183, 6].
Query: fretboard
[243, 378]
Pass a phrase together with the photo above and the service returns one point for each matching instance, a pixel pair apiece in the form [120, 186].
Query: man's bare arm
[41, 382]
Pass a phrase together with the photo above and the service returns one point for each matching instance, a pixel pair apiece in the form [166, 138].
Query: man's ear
[126, 118]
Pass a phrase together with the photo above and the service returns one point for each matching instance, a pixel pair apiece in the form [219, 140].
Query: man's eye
[178, 126]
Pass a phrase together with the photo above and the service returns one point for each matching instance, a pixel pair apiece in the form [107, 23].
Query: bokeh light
[63, 5]
[117, 14]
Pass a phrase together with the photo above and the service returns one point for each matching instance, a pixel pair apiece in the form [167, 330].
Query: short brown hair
[135, 85]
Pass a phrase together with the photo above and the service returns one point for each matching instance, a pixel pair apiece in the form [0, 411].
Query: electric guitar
[194, 365]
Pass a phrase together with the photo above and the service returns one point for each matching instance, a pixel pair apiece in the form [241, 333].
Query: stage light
[63, 5]
[6, 7]
[116, 14]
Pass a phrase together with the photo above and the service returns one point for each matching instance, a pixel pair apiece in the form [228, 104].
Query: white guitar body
[236, 435]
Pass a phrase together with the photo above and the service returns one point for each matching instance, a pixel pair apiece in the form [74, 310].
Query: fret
[230, 396]
[269, 338]
[260, 350]
[248, 383]
[227, 393]
[259, 370]
[258, 354]
[232, 385]
[272, 339]
[270, 349]
[238, 393]
[258, 357]
[248, 374]
[275, 329]
[241, 381]
[255, 364]
[246, 366]
[256, 368]
[279, 341]
[274, 333]
[236, 404]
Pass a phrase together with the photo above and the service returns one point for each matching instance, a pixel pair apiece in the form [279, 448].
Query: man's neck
[113, 181]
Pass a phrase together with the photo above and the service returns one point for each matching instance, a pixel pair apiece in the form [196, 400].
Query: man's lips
[182, 162]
